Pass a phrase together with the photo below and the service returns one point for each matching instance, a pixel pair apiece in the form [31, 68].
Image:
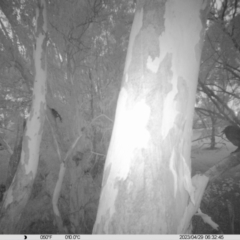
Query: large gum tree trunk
[147, 186]
[19, 191]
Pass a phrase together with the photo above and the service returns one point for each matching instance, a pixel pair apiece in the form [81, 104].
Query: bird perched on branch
[232, 133]
[55, 114]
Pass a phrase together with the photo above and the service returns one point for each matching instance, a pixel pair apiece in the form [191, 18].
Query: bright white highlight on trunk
[132, 133]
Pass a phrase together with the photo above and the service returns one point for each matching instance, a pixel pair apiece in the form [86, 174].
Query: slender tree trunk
[15, 157]
[213, 142]
[19, 191]
[147, 183]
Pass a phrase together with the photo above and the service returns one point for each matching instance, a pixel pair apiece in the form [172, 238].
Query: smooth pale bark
[19, 191]
[147, 185]
[57, 190]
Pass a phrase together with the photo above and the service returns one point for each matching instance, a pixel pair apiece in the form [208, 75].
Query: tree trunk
[147, 176]
[213, 141]
[19, 191]
[15, 157]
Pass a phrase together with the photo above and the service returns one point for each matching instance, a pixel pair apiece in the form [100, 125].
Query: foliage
[218, 90]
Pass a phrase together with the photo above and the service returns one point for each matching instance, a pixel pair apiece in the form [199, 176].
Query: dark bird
[55, 114]
[232, 133]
